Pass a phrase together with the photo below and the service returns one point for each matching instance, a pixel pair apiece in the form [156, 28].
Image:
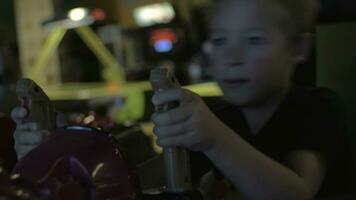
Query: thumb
[18, 114]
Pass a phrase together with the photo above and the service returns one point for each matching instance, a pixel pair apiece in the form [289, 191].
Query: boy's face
[252, 58]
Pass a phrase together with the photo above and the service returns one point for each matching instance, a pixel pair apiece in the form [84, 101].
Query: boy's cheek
[217, 72]
[216, 60]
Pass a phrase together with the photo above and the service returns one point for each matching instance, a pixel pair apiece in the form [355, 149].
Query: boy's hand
[25, 136]
[191, 125]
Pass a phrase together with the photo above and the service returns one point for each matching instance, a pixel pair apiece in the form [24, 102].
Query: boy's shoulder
[323, 126]
[314, 93]
[315, 98]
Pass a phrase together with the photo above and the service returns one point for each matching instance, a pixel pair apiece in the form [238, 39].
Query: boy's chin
[239, 100]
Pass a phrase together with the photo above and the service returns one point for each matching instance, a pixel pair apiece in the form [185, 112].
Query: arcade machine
[86, 163]
[68, 163]
[167, 40]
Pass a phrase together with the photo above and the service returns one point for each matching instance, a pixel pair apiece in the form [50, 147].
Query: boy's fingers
[171, 95]
[174, 116]
[18, 114]
[25, 141]
[29, 126]
[23, 150]
[169, 131]
[174, 141]
[29, 138]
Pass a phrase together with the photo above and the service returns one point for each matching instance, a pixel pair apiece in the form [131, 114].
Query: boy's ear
[303, 47]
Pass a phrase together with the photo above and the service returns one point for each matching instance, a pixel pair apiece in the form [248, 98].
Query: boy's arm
[259, 177]
[193, 126]
[309, 165]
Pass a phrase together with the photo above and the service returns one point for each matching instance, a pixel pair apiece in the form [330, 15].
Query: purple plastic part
[80, 162]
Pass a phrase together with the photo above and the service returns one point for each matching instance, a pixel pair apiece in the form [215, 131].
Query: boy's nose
[235, 57]
[234, 60]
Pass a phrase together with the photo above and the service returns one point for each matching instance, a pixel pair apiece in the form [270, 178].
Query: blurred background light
[163, 46]
[78, 14]
[159, 13]
[98, 14]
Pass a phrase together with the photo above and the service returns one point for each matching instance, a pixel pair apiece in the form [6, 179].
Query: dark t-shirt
[308, 119]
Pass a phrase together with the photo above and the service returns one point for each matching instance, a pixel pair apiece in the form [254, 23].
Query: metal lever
[39, 107]
[177, 163]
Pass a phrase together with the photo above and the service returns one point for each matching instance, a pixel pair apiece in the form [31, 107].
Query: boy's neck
[258, 116]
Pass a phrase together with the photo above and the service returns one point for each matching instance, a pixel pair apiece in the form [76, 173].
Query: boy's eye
[218, 41]
[256, 40]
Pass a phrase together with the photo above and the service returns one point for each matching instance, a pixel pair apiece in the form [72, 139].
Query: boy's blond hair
[299, 17]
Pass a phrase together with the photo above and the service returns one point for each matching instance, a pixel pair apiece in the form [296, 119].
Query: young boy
[271, 140]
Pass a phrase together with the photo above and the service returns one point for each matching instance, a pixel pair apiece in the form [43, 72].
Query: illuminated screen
[160, 13]
[163, 40]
